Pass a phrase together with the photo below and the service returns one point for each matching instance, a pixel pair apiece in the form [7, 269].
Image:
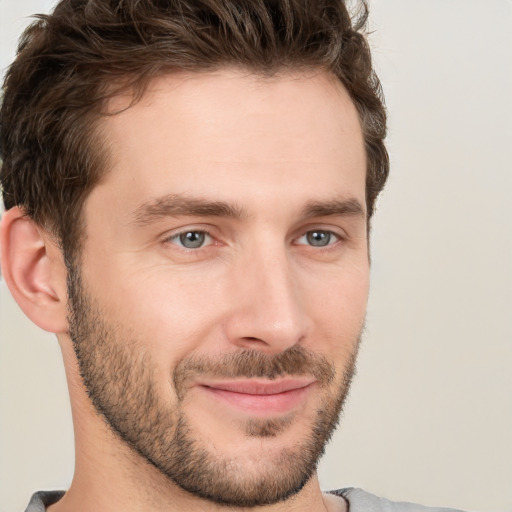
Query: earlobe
[32, 271]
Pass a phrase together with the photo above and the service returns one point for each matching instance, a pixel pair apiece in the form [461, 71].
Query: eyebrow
[337, 207]
[176, 205]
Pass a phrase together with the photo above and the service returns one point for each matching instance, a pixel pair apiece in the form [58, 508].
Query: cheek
[171, 313]
[340, 310]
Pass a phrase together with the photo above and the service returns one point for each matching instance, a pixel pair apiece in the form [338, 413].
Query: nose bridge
[268, 310]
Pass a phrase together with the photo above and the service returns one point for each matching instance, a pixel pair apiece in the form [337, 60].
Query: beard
[118, 372]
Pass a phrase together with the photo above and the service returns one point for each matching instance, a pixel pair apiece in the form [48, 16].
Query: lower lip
[277, 403]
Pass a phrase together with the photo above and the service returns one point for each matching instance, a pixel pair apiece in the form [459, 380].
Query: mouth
[260, 397]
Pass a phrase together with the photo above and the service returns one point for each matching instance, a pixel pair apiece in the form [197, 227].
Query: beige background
[430, 414]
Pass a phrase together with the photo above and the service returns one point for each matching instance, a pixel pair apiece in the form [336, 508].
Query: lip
[258, 396]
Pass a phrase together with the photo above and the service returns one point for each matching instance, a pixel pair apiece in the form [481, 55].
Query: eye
[191, 239]
[318, 238]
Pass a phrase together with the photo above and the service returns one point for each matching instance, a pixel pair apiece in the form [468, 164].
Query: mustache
[294, 361]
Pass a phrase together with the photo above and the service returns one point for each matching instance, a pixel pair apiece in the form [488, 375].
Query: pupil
[192, 239]
[319, 238]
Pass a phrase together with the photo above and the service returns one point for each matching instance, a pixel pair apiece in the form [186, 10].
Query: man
[188, 190]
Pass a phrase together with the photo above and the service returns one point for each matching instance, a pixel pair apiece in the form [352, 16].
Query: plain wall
[429, 417]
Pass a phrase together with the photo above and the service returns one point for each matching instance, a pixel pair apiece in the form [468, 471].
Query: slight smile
[260, 397]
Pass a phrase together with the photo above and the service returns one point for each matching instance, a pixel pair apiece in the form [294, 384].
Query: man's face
[221, 293]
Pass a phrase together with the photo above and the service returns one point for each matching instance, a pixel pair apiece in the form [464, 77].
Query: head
[207, 170]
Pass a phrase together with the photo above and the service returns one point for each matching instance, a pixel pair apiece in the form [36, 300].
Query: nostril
[250, 342]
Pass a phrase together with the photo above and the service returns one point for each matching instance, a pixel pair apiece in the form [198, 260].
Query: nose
[268, 311]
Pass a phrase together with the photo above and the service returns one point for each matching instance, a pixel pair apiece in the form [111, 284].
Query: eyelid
[170, 237]
[336, 238]
[335, 230]
[205, 242]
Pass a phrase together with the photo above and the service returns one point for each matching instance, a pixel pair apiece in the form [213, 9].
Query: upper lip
[259, 386]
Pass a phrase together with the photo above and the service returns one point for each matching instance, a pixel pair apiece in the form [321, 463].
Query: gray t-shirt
[362, 501]
[358, 501]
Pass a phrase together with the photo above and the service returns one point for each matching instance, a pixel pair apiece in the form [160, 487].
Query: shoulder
[362, 501]
[42, 499]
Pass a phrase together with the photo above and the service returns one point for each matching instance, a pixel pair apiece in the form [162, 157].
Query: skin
[267, 147]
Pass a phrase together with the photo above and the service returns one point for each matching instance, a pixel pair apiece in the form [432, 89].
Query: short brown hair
[67, 62]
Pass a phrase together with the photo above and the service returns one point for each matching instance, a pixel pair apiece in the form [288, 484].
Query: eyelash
[178, 238]
[330, 234]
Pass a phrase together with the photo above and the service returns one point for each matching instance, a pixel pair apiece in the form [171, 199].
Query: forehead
[195, 133]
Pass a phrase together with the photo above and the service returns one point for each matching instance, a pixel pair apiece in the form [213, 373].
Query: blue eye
[318, 238]
[191, 239]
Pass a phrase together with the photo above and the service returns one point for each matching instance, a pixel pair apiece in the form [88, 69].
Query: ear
[34, 271]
